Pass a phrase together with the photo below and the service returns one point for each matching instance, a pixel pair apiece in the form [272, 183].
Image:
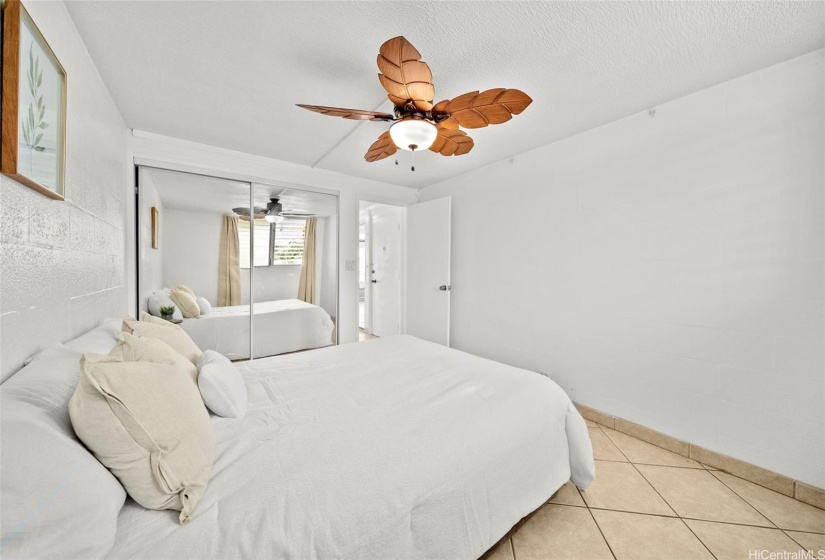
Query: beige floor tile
[603, 448]
[619, 486]
[697, 494]
[632, 536]
[738, 542]
[785, 512]
[809, 541]
[503, 552]
[590, 423]
[567, 495]
[560, 532]
[708, 467]
[638, 451]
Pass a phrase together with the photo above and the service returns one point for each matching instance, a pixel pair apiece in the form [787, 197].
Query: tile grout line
[512, 546]
[747, 502]
[590, 511]
[607, 542]
[785, 532]
[678, 516]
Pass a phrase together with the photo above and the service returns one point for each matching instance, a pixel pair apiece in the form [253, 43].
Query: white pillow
[221, 385]
[100, 339]
[57, 498]
[146, 422]
[205, 306]
[160, 299]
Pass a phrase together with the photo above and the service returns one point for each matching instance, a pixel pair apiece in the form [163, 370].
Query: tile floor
[648, 502]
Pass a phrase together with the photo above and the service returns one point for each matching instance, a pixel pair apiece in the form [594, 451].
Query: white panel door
[428, 270]
[385, 274]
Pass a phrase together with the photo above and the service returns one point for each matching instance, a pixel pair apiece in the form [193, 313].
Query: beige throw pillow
[173, 335]
[146, 422]
[186, 289]
[131, 348]
[186, 302]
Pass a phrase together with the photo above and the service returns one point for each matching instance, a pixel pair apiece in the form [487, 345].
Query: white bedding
[389, 449]
[280, 326]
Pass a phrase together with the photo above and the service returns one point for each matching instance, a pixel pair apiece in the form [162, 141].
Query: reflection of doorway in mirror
[382, 265]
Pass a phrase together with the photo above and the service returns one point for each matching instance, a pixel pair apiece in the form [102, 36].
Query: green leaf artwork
[34, 122]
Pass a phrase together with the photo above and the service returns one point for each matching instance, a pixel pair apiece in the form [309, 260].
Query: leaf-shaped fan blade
[404, 76]
[452, 142]
[477, 110]
[353, 114]
[381, 148]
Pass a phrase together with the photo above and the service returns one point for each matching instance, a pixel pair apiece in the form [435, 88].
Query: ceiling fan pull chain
[413, 158]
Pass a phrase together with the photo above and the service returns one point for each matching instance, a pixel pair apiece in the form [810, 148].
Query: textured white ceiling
[187, 191]
[228, 73]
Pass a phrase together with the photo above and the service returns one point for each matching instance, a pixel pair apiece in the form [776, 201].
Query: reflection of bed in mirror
[286, 325]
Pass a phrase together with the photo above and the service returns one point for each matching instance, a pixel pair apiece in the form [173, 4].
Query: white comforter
[389, 449]
[281, 326]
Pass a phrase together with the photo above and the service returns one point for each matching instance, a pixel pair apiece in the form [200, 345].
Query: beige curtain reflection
[229, 265]
[306, 288]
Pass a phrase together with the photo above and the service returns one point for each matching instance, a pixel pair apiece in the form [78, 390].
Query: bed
[390, 448]
[281, 326]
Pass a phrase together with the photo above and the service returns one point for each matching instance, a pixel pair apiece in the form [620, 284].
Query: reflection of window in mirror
[275, 243]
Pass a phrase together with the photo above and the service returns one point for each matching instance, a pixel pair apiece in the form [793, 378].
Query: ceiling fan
[273, 213]
[419, 124]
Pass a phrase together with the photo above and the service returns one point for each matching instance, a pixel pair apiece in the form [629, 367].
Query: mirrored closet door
[249, 270]
[295, 272]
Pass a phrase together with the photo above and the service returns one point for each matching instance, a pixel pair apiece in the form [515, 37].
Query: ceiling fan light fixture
[274, 218]
[413, 134]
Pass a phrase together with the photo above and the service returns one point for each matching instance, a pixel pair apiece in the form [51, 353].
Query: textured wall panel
[62, 263]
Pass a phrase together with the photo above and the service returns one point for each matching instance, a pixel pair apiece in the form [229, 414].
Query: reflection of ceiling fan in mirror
[273, 213]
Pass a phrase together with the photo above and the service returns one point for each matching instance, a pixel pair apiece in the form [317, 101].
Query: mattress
[280, 326]
[390, 448]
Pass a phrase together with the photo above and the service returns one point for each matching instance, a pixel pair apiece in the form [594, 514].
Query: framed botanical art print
[34, 106]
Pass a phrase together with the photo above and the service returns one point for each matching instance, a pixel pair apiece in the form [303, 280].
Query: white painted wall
[191, 246]
[183, 155]
[151, 260]
[665, 269]
[62, 263]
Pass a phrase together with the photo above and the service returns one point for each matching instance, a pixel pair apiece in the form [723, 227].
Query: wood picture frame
[155, 227]
[33, 125]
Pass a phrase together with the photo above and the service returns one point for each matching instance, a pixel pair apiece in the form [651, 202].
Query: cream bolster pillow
[221, 385]
[185, 288]
[173, 335]
[147, 424]
[186, 302]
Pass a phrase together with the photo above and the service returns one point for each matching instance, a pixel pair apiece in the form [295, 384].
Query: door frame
[368, 277]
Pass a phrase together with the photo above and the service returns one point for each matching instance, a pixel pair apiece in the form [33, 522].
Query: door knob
[375, 281]
[444, 288]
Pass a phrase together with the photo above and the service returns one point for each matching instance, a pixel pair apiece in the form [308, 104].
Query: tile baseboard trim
[779, 483]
